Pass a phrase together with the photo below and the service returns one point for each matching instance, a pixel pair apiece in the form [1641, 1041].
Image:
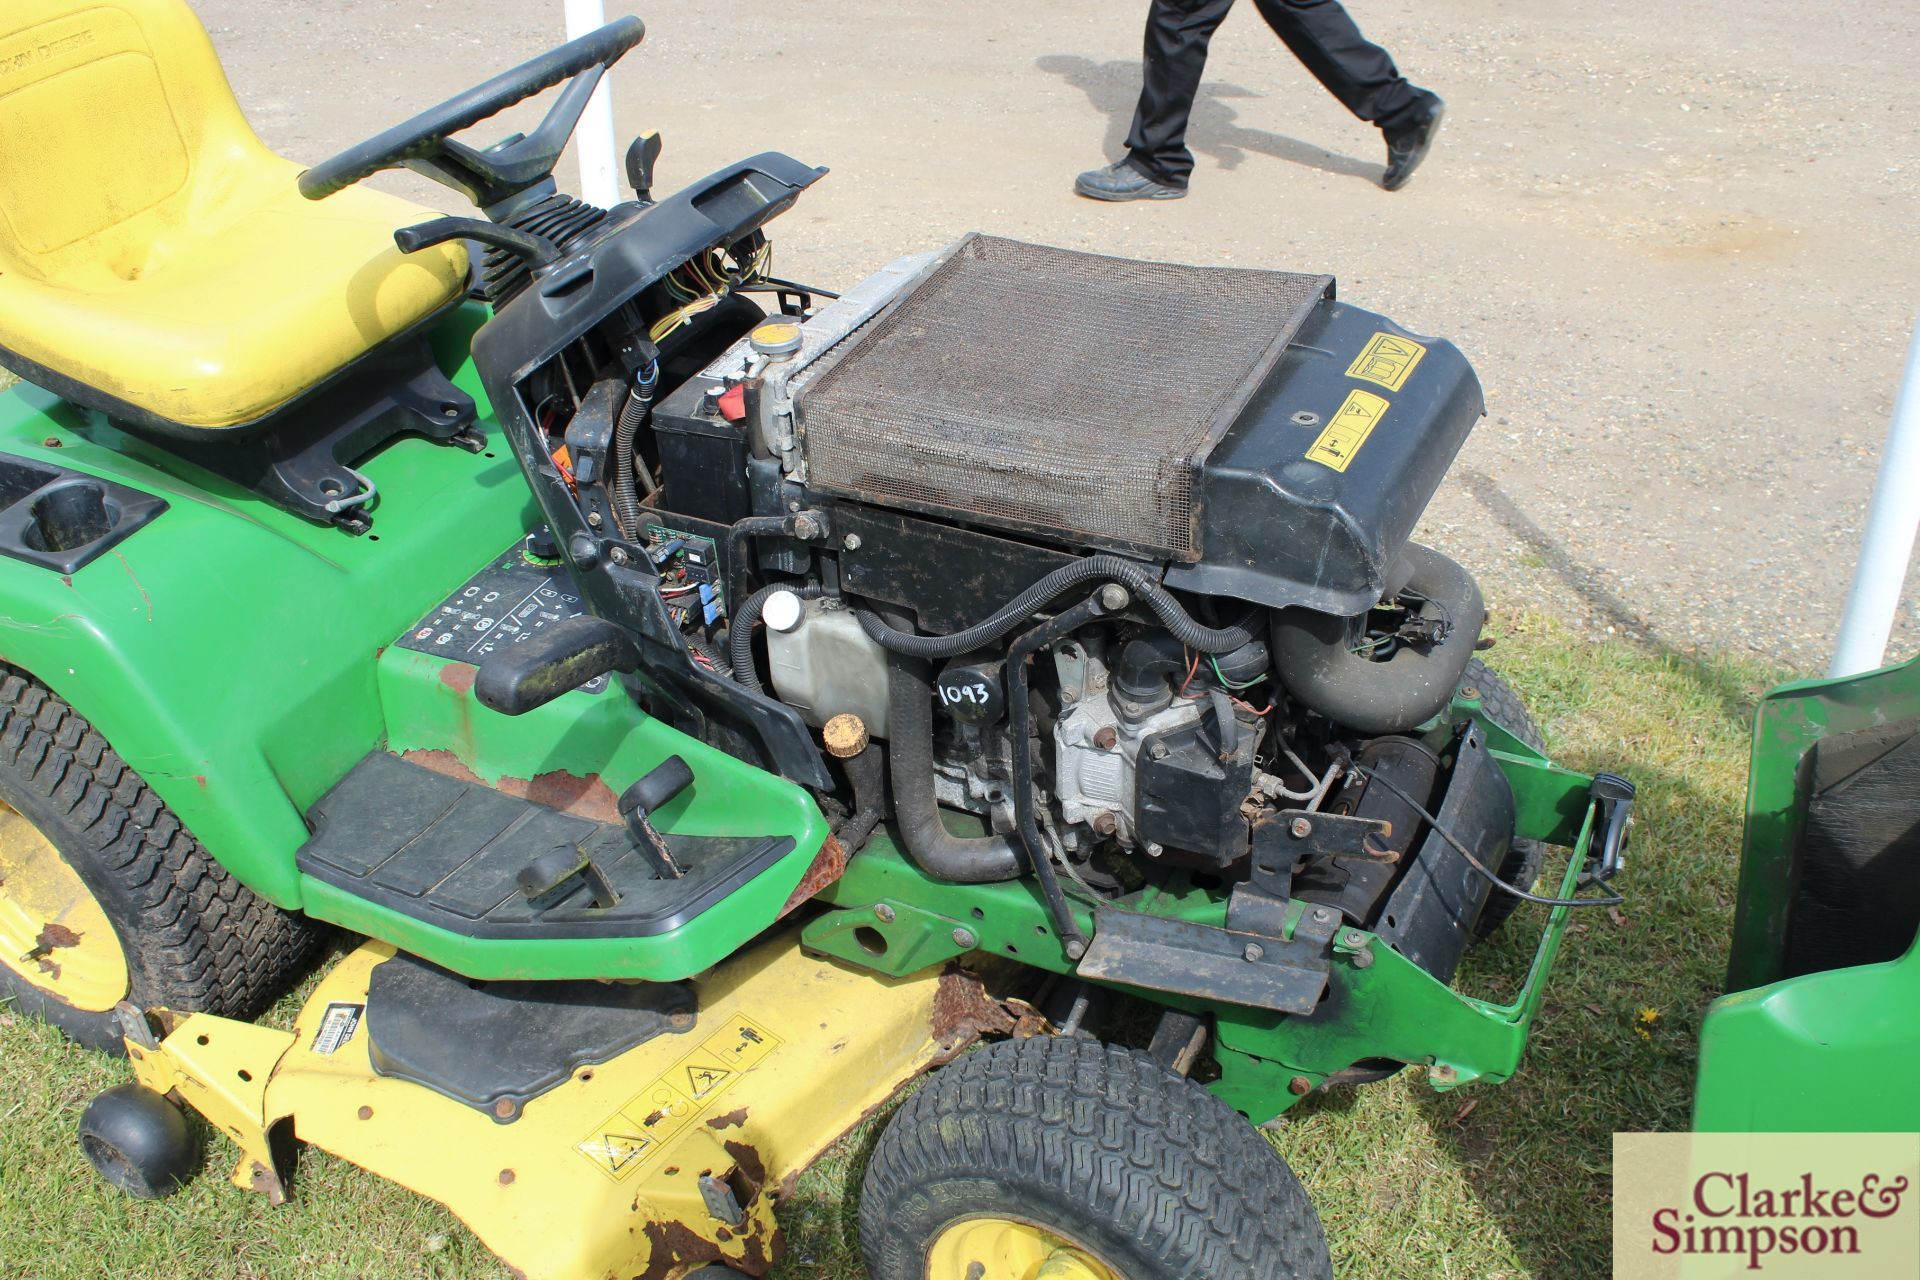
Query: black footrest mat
[447, 851]
[496, 1046]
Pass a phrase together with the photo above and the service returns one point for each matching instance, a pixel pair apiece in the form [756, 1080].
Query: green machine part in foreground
[242, 660]
[1824, 976]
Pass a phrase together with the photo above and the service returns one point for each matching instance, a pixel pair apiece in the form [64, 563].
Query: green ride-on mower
[718, 701]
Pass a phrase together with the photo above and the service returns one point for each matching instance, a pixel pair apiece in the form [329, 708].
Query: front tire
[1078, 1159]
[105, 896]
[1521, 867]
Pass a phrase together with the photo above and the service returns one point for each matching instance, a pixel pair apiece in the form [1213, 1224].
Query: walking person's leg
[1158, 163]
[1362, 75]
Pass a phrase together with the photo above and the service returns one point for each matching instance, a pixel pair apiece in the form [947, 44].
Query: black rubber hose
[1010, 615]
[1314, 654]
[934, 849]
[740, 628]
[633, 414]
[1018, 715]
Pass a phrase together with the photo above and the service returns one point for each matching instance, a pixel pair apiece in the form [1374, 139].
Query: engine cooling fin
[1049, 391]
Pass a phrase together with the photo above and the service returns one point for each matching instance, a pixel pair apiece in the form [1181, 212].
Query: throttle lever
[537, 250]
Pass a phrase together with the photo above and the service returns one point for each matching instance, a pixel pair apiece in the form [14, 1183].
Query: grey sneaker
[1121, 181]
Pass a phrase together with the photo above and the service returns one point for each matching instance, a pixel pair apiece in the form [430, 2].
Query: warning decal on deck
[1386, 360]
[337, 1026]
[1349, 430]
[642, 1128]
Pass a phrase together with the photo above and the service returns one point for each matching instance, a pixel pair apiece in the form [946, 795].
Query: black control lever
[536, 250]
[639, 802]
[1614, 794]
[552, 661]
[642, 154]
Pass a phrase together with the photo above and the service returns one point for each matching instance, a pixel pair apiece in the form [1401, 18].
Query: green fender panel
[237, 657]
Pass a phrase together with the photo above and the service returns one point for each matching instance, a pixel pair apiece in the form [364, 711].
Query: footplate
[1159, 953]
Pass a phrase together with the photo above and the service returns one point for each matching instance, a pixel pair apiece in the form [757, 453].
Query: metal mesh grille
[1049, 390]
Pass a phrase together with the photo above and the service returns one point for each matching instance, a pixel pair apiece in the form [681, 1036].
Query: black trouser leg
[1177, 36]
[1360, 73]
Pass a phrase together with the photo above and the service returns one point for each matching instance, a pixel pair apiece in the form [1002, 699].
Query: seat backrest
[117, 128]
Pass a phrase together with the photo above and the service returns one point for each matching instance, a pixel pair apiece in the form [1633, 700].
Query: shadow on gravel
[1585, 582]
[1113, 87]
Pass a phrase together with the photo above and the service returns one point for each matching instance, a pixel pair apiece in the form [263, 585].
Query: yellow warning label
[614, 1151]
[1349, 430]
[1387, 360]
[641, 1129]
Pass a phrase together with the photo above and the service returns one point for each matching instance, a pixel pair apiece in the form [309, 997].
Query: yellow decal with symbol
[1350, 427]
[641, 1129]
[1387, 360]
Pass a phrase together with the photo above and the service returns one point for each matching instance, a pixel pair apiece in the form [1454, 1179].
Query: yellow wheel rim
[1006, 1249]
[53, 932]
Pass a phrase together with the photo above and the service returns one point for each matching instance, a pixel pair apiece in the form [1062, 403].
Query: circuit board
[503, 604]
[691, 580]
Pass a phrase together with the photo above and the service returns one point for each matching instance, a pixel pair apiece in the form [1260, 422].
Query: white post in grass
[1892, 520]
[593, 139]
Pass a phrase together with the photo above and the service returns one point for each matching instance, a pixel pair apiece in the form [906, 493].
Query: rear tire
[1088, 1154]
[1521, 867]
[192, 938]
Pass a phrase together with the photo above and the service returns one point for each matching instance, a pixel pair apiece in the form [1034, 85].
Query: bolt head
[1300, 828]
[1253, 951]
[1363, 958]
[1114, 597]
[1321, 915]
[1154, 850]
[1105, 823]
[1470, 693]
[1104, 737]
[618, 555]
[1299, 1086]
[1075, 948]
[593, 518]
[1069, 695]
[851, 542]
[1158, 751]
[965, 938]
[883, 913]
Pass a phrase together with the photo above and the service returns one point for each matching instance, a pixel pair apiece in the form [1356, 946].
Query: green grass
[1488, 1183]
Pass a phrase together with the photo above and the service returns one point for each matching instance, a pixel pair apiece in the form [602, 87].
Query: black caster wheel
[139, 1141]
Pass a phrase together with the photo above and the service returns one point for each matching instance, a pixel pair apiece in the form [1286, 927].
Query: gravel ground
[1673, 237]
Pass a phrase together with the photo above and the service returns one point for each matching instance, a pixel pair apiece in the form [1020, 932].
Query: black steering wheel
[425, 143]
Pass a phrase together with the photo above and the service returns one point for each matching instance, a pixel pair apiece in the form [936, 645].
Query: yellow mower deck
[603, 1175]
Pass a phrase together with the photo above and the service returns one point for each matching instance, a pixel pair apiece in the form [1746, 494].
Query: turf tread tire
[1521, 867]
[195, 938]
[1099, 1143]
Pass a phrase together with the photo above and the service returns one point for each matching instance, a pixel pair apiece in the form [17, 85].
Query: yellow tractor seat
[154, 252]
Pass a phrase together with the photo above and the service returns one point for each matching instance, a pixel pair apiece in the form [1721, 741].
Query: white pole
[599, 167]
[1892, 520]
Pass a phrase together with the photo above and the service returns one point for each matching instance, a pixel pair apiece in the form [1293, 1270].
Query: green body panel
[237, 657]
[1823, 1053]
[1811, 1053]
[1789, 720]
[892, 917]
[579, 752]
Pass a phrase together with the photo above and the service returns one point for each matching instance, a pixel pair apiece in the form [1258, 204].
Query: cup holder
[69, 517]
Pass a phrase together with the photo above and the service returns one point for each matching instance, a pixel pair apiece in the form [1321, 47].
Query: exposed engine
[1112, 556]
